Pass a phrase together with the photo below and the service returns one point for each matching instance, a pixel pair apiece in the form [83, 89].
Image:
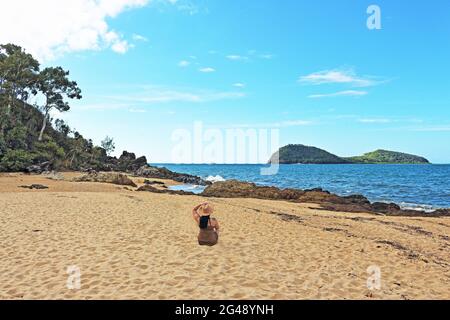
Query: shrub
[16, 160]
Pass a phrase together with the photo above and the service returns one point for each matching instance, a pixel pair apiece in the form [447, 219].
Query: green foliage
[62, 127]
[55, 85]
[18, 73]
[310, 155]
[3, 147]
[297, 153]
[16, 138]
[384, 156]
[48, 151]
[109, 145]
[16, 160]
[26, 134]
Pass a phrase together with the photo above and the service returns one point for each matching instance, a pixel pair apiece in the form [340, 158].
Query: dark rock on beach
[127, 162]
[35, 186]
[110, 177]
[148, 171]
[150, 182]
[127, 156]
[39, 168]
[327, 200]
[149, 188]
[387, 208]
[240, 189]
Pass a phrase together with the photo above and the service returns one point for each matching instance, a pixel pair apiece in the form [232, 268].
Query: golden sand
[140, 245]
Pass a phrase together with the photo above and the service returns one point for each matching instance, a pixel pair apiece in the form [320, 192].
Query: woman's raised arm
[195, 214]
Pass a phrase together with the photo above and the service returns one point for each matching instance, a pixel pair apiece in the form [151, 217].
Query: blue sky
[312, 69]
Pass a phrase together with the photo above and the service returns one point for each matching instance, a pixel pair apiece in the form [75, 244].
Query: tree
[18, 76]
[55, 85]
[109, 145]
[62, 127]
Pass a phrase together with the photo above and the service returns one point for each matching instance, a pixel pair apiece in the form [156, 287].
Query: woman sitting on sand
[209, 227]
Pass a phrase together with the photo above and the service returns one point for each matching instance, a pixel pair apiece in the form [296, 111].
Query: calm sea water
[411, 186]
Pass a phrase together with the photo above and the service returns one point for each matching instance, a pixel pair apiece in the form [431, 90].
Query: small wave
[417, 207]
[188, 188]
[214, 179]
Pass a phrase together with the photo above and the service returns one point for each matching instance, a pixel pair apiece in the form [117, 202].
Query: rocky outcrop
[240, 189]
[148, 171]
[327, 200]
[150, 182]
[39, 168]
[127, 162]
[149, 188]
[109, 177]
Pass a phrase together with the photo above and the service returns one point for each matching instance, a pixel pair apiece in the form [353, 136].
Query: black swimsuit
[207, 236]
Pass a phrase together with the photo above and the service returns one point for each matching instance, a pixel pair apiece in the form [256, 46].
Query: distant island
[301, 154]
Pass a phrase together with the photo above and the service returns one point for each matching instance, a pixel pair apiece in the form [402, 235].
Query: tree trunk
[71, 160]
[44, 125]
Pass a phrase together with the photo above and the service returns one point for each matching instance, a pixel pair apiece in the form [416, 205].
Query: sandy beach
[142, 245]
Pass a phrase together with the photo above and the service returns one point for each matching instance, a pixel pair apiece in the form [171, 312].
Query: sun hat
[205, 209]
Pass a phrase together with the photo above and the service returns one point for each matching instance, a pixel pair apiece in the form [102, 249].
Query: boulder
[39, 168]
[240, 189]
[149, 188]
[110, 177]
[148, 171]
[35, 186]
[127, 162]
[137, 163]
[388, 208]
[127, 156]
[150, 182]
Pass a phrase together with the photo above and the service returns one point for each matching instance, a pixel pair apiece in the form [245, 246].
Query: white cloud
[121, 47]
[138, 37]
[337, 76]
[189, 8]
[255, 53]
[239, 85]
[207, 70]
[374, 120]
[161, 94]
[183, 63]
[347, 93]
[236, 57]
[294, 123]
[48, 28]
[280, 124]
[266, 56]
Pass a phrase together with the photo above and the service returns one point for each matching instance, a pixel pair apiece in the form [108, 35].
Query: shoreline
[420, 208]
[183, 183]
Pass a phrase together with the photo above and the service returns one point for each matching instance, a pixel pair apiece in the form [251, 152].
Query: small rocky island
[301, 154]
